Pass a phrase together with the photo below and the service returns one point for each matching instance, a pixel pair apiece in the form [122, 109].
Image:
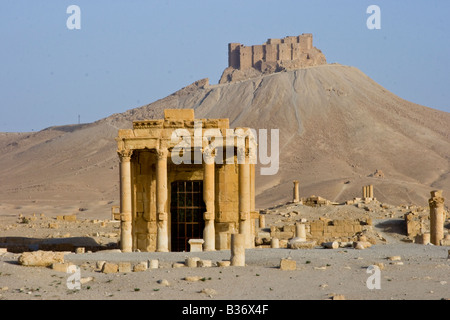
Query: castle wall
[296, 51]
[245, 55]
[258, 54]
[284, 51]
[305, 41]
[291, 48]
[271, 52]
[233, 55]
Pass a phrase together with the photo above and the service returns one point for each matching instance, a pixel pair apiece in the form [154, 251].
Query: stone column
[238, 249]
[275, 243]
[209, 234]
[262, 221]
[162, 239]
[296, 192]
[371, 191]
[437, 218]
[244, 203]
[364, 192]
[126, 240]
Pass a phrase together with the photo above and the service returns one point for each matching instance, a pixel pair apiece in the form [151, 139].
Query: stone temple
[165, 203]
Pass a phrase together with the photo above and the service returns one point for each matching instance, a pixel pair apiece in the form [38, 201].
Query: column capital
[125, 154]
[162, 153]
[436, 201]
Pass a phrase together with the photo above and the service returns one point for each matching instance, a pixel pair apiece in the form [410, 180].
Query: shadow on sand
[23, 244]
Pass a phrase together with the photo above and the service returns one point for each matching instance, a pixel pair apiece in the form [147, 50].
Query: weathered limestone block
[80, 250]
[141, 266]
[225, 263]
[288, 264]
[124, 267]
[361, 245]
[60, 267]
[423, 238]
[100, 264]
[109, 267]
[204, 263]
[191, 262]
[302, 244]
[41, 258]
[153, 264]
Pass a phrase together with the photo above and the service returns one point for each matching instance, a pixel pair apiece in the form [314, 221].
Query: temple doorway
[186, 208]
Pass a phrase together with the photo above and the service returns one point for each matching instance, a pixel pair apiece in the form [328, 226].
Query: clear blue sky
[130, 53]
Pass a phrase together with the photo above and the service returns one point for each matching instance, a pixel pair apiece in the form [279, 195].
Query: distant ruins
[275, 55]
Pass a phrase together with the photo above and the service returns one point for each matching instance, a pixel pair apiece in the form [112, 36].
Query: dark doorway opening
[186, 208]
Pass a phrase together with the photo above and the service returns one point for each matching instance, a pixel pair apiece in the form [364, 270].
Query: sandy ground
[422, 273]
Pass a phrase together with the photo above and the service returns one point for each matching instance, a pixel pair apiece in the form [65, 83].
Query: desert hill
[336, 125]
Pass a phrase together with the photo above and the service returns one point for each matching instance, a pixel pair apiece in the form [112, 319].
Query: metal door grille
[186, 208]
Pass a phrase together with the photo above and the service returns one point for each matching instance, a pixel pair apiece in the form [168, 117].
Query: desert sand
[421, 273]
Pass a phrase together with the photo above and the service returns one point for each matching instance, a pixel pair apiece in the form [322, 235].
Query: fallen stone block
[124, 267]
[178, 265]
[100, 264]
[60, 267]
[153, 264]
[80, 250]
[394, 258]
[302, 244]
[288, 264]
[109, 267]
[193, 278]
[204, 263]
[331, 245]
[141, 266]
[361, 245]
[41, 258]
[191, 262]
[223, 263]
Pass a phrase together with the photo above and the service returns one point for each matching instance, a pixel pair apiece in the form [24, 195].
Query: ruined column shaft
[296, 192]
[371, 191]
[437, 217]
[162, 239]
[244, 203]
[300, 231]
[238, 250]
[126, 241]
[208, 197]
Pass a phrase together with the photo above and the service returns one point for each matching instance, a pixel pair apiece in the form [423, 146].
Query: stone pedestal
[196, 245]
[238, 250]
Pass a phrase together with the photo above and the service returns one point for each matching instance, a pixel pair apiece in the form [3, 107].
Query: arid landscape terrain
[339, 131]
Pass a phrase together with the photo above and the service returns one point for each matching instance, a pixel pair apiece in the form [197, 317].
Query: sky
[130, 53]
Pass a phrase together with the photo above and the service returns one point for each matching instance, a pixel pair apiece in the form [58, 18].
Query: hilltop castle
[274, 55]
